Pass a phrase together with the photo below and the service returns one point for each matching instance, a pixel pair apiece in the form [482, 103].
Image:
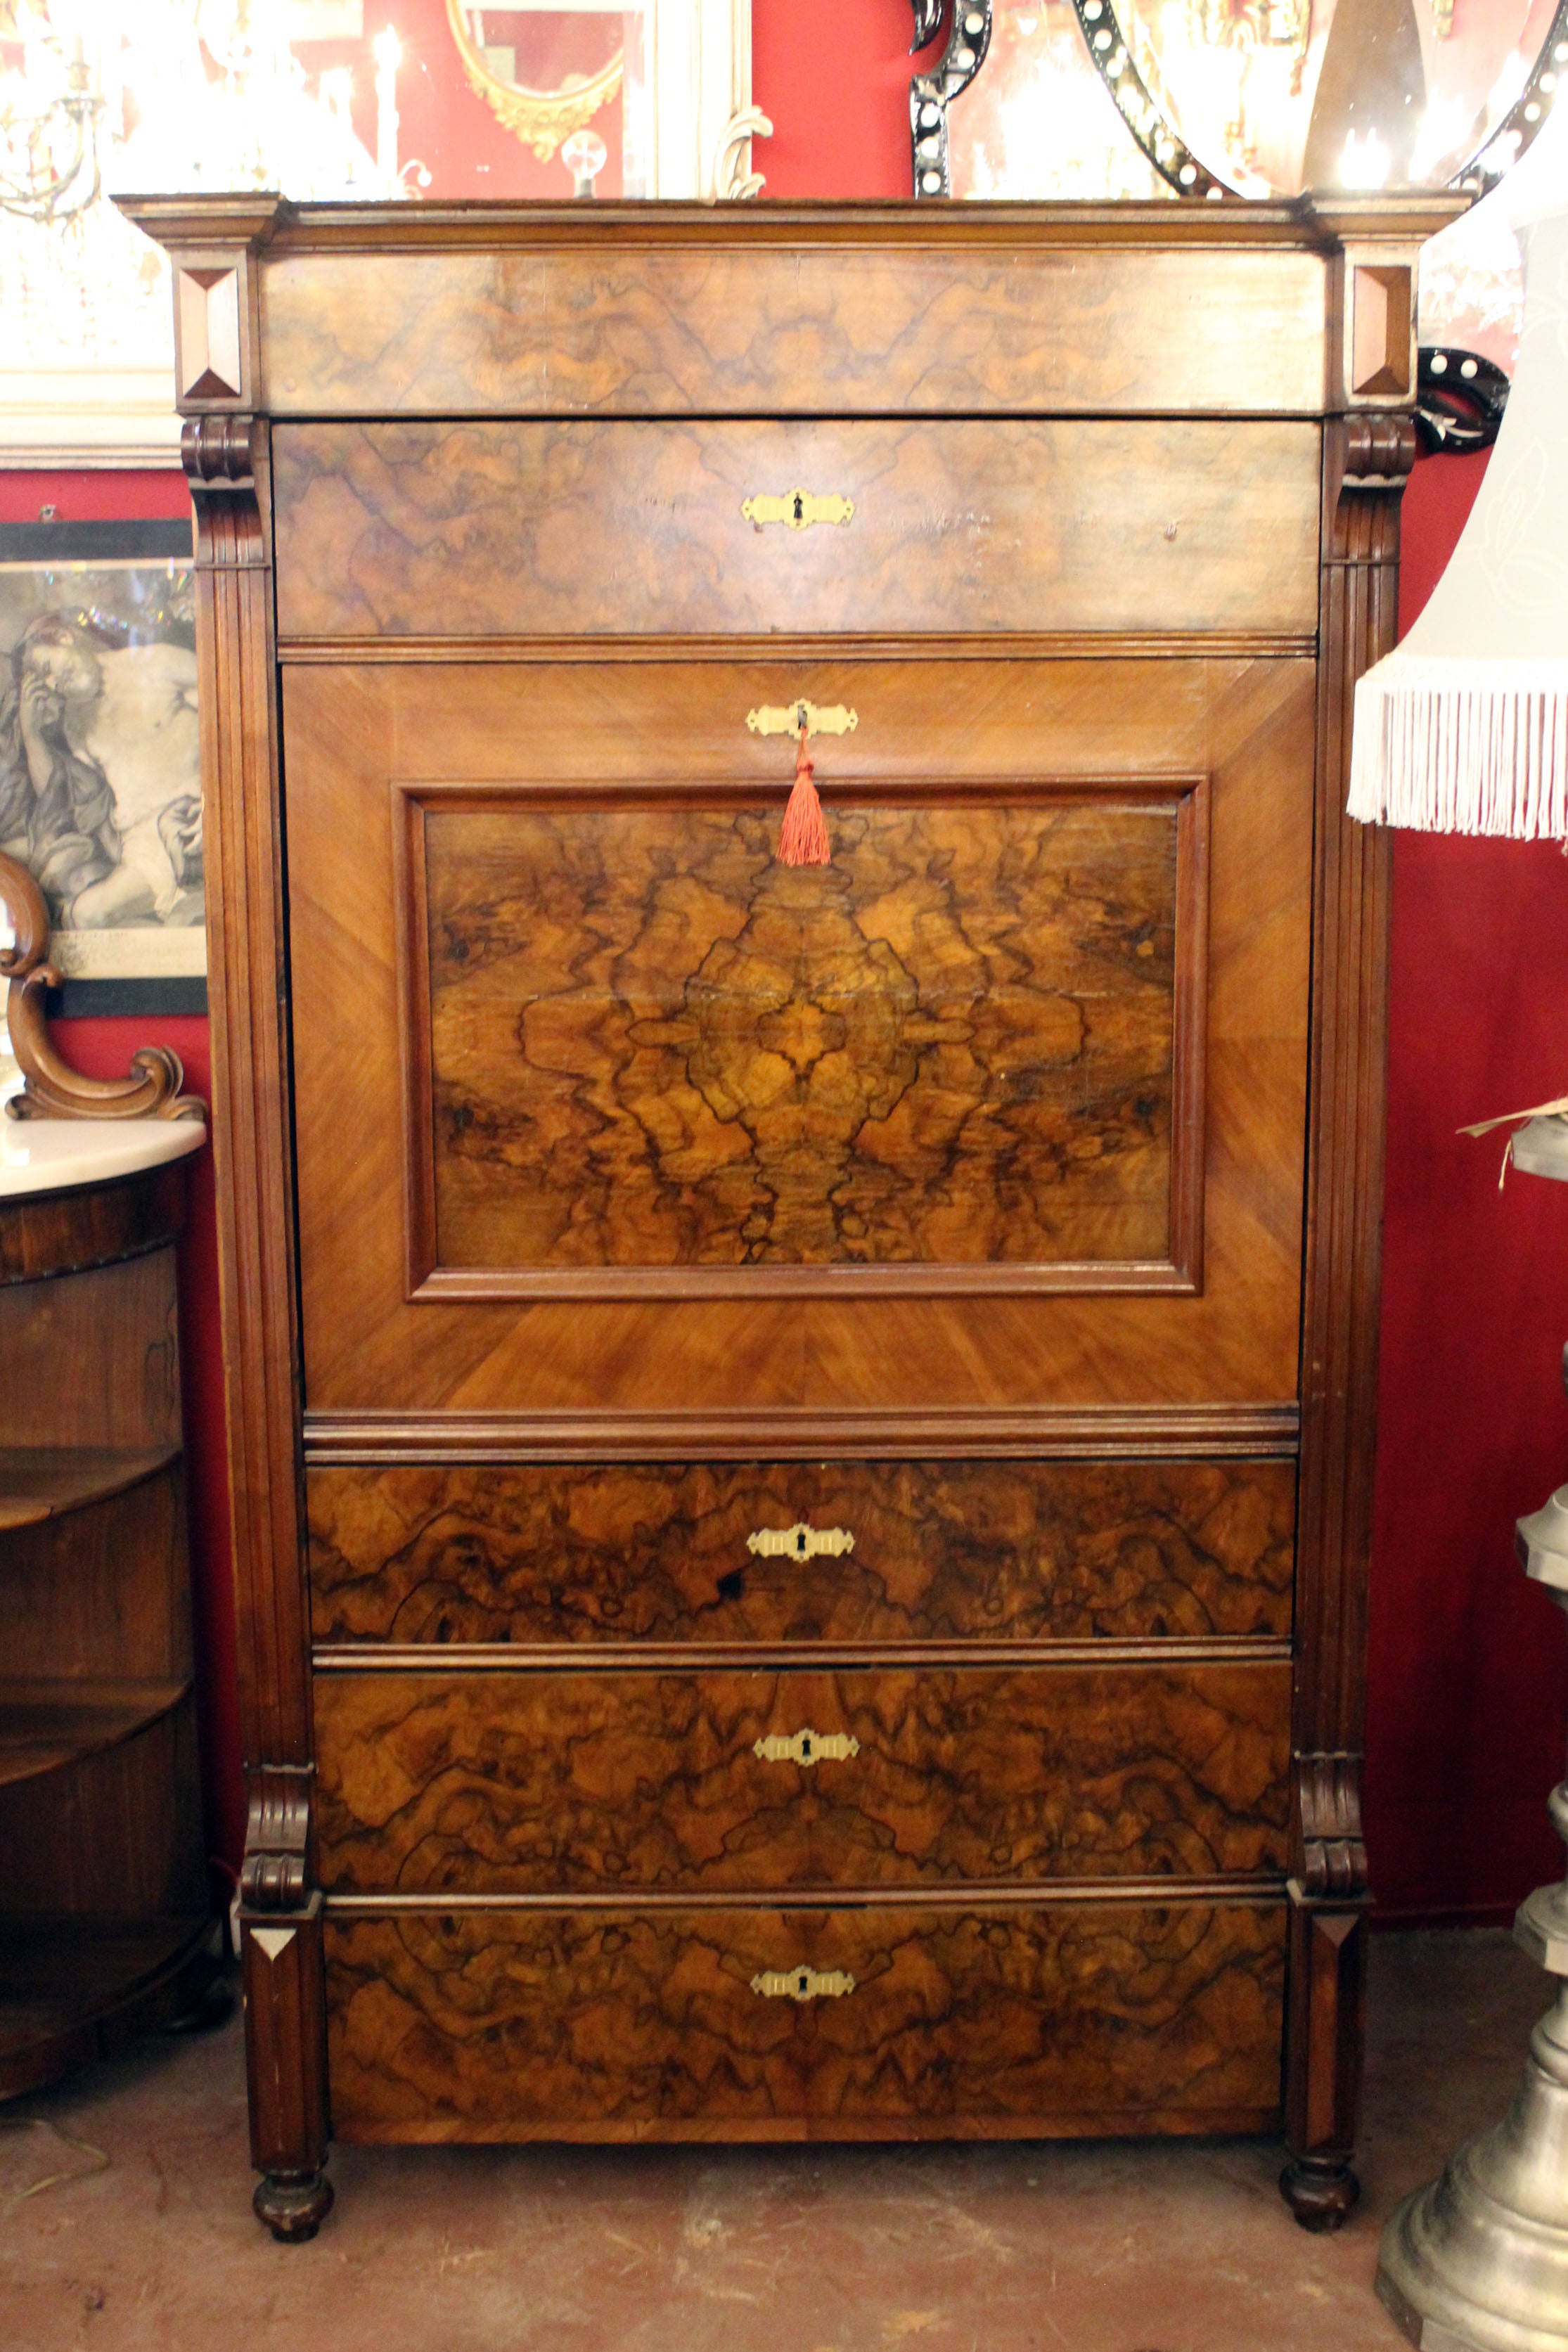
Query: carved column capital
[219, 450]
[275, 1873]
[1328, 1849]
[1378, 447]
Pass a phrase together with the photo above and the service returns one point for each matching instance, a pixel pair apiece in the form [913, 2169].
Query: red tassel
[803, 837]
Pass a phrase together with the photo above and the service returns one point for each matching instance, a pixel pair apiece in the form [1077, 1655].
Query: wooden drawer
[795, 312]
[488, 530]
[964, 2020]
[545, 1781]
[994, 1551]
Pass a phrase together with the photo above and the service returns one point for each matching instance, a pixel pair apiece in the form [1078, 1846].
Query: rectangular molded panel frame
[1181, 1271]
[352, 730]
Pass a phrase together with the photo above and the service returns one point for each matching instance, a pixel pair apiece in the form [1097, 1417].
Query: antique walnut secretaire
[800, 1435]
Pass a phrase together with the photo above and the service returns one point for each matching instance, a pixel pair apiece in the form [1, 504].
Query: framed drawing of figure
[100, 756]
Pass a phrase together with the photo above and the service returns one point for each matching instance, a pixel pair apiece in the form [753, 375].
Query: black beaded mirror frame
[1460, 397]
[968, 40]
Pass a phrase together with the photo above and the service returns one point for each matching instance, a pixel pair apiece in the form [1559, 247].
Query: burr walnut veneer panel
[1093, 735]
[993, 1551]
[978, 2021]
[971, 1040]
[676, 314]
[518, 529]
[536, 1782]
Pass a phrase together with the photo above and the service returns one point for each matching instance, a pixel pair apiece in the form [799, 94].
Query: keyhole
[803, 1982]
[805, 1750]
[799, 508]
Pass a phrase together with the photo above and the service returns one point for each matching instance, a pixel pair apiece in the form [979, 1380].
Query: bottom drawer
[917, 2022]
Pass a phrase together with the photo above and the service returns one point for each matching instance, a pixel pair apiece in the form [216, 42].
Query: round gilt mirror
[548, 72]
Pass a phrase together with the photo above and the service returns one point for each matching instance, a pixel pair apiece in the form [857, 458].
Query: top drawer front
[517, 530]
[756, 315]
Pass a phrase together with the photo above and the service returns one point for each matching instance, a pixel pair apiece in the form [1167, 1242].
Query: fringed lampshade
[1464, 729]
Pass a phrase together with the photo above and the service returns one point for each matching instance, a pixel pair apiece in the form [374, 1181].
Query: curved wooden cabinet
[103, 1884]
[800, 1437]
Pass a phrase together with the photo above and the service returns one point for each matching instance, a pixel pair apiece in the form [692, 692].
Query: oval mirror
[548, 72]
[1212, 98]
[1280, 96]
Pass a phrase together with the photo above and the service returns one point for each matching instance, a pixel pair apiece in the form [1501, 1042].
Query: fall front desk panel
[1006, 1105]
[600, 1107]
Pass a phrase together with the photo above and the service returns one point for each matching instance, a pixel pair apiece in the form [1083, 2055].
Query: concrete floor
[1114, 2247]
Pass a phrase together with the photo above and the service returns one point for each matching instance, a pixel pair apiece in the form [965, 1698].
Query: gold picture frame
[543, 119]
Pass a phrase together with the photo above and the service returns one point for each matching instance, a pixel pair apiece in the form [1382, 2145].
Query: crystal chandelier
[50, 163]
[185, 94]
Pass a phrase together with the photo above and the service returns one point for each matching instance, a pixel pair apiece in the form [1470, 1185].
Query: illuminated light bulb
[584, 155]
[1510, 86]
[1441, 135]
[1365, 161]
[387, 51]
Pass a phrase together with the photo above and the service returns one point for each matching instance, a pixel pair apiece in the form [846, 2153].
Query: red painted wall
[1469, 1664]
[1470, 1667]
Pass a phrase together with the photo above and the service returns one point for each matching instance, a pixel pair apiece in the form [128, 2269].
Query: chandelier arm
[32, 200]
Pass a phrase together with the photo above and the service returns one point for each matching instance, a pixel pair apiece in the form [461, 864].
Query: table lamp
[1464, 729]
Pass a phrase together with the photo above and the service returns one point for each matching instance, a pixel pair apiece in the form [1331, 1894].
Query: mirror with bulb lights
[1213, 99]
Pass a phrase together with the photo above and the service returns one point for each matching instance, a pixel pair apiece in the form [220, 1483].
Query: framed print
[100, 756]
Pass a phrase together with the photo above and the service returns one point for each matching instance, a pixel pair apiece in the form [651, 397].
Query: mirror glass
[1277, 96]
[567, 80]
[1274, 96]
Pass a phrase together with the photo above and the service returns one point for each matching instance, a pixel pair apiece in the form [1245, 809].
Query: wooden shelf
[42, 1482]
[46, 1725]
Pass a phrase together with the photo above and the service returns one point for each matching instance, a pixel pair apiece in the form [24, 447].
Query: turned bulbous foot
[293, 2204]
[1321, 2193]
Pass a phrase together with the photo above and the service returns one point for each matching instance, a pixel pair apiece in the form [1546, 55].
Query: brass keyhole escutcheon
[797, 509]
[802, 1541]
[803, 718]
[802, 1984]
[806, 1746]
